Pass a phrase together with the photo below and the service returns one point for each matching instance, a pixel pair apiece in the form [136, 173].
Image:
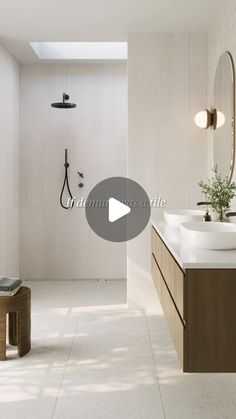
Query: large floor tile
[195, 396]
[156, 322]
[77, 293]
[54, 294]
[102, 292]
[29, 394]
[57, 323]
[45, 353]
[107, 394]
[117, 322]
[102, 352]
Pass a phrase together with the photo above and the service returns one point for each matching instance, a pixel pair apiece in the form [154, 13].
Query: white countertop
[190, 257]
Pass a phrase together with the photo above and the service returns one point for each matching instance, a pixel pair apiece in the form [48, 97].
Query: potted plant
[219, 191]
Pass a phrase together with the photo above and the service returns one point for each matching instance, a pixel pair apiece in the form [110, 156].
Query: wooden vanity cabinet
[200, 308]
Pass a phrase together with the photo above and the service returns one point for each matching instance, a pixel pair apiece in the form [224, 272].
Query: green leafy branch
[219, 191]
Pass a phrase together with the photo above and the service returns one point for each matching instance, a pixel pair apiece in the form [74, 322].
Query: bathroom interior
[137, 320]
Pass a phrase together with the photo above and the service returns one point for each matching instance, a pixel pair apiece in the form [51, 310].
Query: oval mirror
[224, 102]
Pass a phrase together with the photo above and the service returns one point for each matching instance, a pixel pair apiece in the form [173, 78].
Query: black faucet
[231, 214]
[203, 203]
[207, 216]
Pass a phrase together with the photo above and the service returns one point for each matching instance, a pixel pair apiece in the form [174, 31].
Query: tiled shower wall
[56, 243]
[9, 173]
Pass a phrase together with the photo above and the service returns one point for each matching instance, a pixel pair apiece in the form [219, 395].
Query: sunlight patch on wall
[80, 50]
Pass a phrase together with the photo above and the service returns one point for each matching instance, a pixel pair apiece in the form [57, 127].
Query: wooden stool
[18, 308]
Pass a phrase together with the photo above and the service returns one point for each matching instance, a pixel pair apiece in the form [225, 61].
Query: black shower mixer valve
[81, 185]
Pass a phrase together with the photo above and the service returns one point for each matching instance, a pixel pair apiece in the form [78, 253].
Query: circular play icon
[118, 209]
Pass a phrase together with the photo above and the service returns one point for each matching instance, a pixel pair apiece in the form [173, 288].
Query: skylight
[80, 50]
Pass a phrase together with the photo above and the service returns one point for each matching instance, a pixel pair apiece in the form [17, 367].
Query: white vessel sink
[176, 217]
[210, 235]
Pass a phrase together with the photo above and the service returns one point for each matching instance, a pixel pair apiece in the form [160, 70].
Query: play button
[117, 209]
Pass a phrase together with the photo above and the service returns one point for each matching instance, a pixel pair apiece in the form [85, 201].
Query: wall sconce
[205, 119]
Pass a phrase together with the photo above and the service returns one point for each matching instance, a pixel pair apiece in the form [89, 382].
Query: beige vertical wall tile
[166, 154]
[143, 145]
[9, 168]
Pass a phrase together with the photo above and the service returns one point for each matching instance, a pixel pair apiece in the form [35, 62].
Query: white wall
[222, 37]
[55, 243]
[9, 146]
[166, 151]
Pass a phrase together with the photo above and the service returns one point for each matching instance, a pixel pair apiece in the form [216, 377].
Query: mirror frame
[233, 151]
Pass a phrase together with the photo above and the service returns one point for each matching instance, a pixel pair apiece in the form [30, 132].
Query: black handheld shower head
[64, 104]
[66, 186]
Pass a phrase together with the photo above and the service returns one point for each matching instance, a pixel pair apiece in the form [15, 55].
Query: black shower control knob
[81, 175]
[80, 185]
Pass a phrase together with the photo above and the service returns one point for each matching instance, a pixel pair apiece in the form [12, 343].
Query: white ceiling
[22, 21]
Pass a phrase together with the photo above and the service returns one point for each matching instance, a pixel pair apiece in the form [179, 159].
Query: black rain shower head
[64, 104]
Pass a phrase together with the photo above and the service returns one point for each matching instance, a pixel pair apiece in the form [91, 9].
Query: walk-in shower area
[56, 243]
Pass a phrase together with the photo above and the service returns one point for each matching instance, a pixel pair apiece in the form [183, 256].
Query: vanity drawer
[171, 271]
[176, 326]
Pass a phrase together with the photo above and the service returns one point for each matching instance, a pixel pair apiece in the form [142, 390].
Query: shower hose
[66, 185]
